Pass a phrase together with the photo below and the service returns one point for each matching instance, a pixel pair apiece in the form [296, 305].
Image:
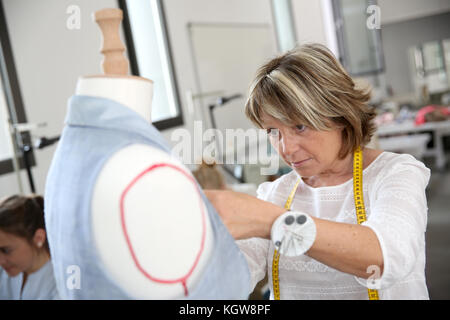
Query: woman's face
[16, 254]
[307, 151]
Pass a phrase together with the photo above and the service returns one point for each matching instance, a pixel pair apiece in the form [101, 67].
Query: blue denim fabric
[95, 129]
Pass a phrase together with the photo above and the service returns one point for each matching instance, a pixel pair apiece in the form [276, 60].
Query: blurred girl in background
[26, 270]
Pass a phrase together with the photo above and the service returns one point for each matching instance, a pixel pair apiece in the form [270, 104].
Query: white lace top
[396, 208]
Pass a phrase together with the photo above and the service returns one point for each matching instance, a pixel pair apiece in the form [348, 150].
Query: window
[150, 57]
[433, 56]
[6, 150]
[430, 65]
[11, 108]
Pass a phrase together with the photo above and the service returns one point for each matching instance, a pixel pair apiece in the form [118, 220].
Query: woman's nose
[288, 146]
[2, 259]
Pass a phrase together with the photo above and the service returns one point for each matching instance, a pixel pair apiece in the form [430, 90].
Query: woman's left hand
[243, 215]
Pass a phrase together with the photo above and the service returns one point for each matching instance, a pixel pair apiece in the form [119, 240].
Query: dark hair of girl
[22, 216]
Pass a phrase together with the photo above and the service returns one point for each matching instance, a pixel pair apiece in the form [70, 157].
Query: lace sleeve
[255, 249]
[398, 216]
[255, 252]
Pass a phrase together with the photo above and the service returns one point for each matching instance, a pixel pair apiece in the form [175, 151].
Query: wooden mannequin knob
[114, 62]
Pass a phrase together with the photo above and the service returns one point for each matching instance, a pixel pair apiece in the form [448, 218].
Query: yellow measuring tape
[359, 201]
[276, 254]
[360, 216]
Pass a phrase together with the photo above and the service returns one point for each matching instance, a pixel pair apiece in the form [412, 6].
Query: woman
[26, 270]
[317, 120]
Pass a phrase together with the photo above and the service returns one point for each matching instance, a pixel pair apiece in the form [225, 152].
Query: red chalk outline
[184, 278]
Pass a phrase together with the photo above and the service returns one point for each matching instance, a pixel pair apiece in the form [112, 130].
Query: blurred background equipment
[24, 148]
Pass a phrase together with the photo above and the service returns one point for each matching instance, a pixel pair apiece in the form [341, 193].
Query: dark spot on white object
[301, 219]
[289, 220]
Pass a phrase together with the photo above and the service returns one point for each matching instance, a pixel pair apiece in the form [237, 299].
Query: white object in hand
[293, 233]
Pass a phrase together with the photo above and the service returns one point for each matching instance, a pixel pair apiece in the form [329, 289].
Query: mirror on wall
[359, 42]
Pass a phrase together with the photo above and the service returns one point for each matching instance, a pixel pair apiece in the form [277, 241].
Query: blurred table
[439, 129]
[415, 144]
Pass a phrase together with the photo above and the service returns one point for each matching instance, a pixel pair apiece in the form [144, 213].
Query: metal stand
[26, 149]
[15, 159]
[220, 102]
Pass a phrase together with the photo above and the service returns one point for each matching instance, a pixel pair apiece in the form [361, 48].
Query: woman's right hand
[244, 216]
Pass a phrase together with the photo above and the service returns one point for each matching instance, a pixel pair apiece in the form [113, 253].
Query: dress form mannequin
[150, 225]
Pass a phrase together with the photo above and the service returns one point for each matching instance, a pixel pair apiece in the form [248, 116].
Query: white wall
[309, 21]
[399, 37]
[393, 11]
[49, 58]
[180, 13]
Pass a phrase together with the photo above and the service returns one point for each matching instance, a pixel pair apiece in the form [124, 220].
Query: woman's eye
[300, 127]
[5, 250]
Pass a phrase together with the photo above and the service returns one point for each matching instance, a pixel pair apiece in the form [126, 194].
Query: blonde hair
[309, 86]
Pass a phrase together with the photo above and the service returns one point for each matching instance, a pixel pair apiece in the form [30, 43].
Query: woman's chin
[303, 171]
[12, 272]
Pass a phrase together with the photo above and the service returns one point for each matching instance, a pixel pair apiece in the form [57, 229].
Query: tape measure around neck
[360, 216]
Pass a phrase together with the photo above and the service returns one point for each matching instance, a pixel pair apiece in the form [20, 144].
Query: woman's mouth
[298, 164]
[8, 269]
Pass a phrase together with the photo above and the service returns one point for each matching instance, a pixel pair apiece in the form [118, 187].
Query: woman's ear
[39, 237]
